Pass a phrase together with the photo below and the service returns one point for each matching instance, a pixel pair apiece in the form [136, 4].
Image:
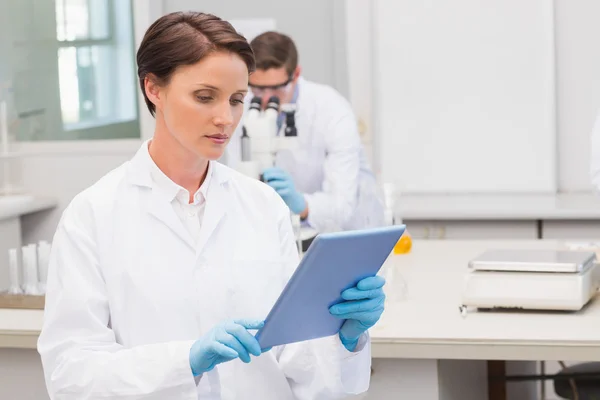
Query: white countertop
[15, 206]
[428, 324]
[498, 207]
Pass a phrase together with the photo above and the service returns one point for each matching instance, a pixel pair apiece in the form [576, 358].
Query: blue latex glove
[363, 306]
[225, 342]
[283, 184]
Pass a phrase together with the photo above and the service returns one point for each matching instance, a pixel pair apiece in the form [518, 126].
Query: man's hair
[275, 50]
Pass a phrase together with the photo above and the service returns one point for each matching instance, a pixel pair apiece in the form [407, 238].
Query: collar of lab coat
[298, 92]
[173, 190]
[140, 170]
[217, 200]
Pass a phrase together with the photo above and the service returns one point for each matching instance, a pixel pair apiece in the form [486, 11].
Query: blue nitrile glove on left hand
[283, 184]
[362, 309]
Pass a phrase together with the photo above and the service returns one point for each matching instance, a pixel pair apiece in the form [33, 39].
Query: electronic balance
[560, 280]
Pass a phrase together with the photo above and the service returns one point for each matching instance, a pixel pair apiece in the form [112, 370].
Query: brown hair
[275, 50]
[184, 38]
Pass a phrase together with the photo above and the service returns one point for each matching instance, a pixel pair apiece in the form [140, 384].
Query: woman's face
[203, 103]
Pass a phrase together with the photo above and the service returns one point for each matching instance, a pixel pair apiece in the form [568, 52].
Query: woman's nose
[224, 116]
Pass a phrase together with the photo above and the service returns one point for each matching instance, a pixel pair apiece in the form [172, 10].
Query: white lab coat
[330, 166]
[595, 155]
[129, 292]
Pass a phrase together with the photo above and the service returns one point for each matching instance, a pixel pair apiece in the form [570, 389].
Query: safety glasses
[260, 90]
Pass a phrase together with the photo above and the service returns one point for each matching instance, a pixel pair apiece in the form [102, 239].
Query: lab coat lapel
[160, 208]
[158, 205]
[217, 201]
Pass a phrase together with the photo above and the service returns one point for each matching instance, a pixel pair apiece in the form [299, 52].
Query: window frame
[110, 40]
[95, 129]
[145, 12]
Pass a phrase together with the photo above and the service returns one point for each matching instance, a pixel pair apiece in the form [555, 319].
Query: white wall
[358, 59]
[468, 103]
[577, 82]
[578, 72]
[62, 173]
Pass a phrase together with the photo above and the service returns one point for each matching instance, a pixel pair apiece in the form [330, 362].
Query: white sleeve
[332, 207]
[595, 155]
[322, 368]
[80, 355]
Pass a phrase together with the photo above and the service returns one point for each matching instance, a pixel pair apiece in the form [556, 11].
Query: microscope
[263, 146]
[261, 143]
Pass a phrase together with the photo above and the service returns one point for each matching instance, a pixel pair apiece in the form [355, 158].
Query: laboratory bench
[425, 287]
[500, 216]
[423, 348]
[19, 329]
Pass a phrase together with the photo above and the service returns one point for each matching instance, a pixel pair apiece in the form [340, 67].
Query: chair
[584, 382]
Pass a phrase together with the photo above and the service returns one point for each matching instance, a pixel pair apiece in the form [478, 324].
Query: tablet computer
[333, 263]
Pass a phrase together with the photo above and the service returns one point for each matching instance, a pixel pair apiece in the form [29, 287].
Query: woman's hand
[225, 342]
[362, 309]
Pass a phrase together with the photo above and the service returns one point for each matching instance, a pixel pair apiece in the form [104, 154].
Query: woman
[161, 270]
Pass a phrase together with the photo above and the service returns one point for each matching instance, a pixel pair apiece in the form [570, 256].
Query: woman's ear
[153, 91]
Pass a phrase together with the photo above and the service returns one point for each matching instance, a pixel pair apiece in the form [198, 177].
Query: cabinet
[559, 216]
[465, 229]
[571, 229]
